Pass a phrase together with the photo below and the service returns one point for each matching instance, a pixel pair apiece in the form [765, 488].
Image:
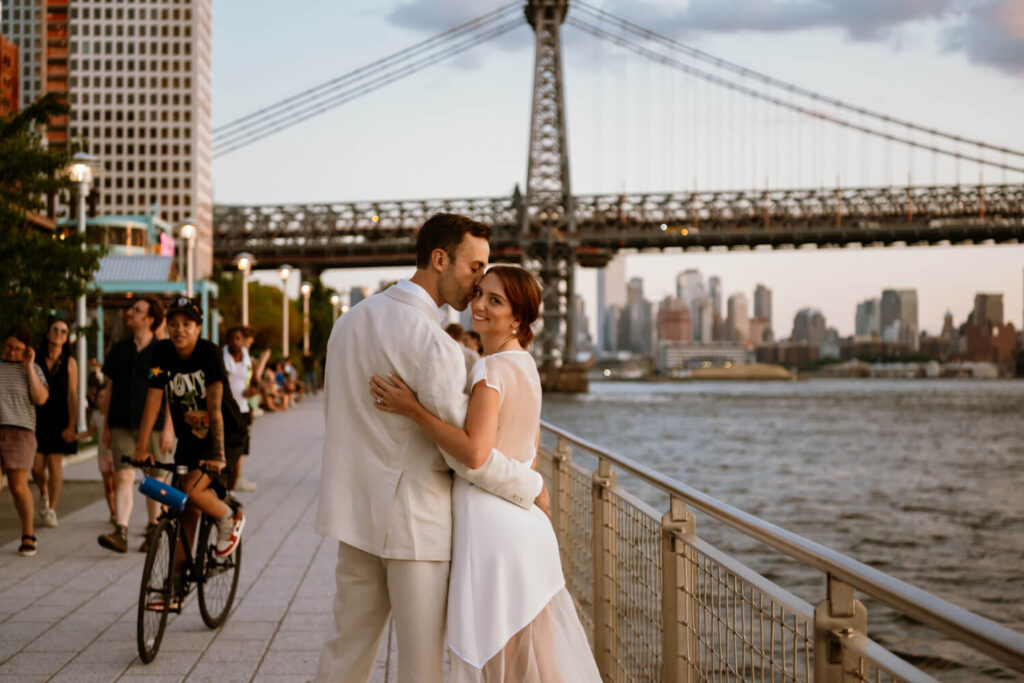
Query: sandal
[26, 550]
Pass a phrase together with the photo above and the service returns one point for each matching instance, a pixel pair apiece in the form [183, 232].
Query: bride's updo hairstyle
[523, 294]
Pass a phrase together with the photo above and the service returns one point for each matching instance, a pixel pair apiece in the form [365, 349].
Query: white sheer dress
[510, 617]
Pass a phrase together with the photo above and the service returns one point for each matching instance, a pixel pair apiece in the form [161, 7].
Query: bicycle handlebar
[166, 466]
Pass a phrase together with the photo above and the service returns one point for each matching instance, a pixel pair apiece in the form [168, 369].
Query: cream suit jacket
[385, 487]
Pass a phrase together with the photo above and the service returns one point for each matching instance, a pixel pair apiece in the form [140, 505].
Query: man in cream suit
[385, 488]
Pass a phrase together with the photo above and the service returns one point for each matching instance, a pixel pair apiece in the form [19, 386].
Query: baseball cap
[187, 306]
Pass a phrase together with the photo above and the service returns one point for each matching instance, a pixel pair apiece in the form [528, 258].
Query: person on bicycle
[206, 419]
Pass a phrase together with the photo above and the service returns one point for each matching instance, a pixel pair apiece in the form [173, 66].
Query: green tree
[38, 272]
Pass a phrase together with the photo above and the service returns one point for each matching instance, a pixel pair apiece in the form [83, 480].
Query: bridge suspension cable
[318, 99]
[625, 25]
[674, 62]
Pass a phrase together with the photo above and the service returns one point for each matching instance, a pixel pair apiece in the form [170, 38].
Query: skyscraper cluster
[891, 318]
[628, 322]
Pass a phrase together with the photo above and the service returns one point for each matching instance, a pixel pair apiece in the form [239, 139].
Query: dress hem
[505, 642]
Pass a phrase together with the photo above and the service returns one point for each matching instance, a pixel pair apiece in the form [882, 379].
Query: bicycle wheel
[155, 593]
[218, 576]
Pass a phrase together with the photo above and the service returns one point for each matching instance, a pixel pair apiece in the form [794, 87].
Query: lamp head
[83, 167]
[335, 299]
[285, 272]
[306, 288]
[245, 261]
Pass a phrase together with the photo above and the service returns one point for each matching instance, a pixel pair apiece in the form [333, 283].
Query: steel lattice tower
[548, 227]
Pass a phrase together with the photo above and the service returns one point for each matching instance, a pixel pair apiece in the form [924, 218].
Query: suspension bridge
[551, 230]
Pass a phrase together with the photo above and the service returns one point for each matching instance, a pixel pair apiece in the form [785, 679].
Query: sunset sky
[460, 128]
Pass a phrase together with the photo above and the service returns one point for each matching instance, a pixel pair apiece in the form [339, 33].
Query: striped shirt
[16, 407]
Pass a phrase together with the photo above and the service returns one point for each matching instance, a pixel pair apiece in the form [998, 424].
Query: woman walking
[56, 434]
[22, 387]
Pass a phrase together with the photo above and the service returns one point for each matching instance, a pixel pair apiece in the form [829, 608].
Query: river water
[922, 479]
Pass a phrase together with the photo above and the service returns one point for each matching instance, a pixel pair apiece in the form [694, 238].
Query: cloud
[992, 33]
[988, 32]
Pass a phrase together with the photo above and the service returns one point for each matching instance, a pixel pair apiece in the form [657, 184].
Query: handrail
[999, 642]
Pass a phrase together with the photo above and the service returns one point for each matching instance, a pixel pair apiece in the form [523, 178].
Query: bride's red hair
[523, 294]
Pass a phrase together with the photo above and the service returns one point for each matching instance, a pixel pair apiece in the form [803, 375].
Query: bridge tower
[547, 223]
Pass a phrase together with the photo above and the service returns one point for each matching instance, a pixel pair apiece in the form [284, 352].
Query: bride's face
[492, 313]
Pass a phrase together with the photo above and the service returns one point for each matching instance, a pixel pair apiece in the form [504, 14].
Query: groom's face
[462, 274]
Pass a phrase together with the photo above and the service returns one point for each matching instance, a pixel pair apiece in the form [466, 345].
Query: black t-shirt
[186, 381]
[128, 370]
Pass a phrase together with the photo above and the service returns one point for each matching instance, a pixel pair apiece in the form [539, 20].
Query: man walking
[385, 491]
[127, 366]
[238, 365]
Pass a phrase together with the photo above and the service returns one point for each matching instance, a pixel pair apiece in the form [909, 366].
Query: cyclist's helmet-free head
[187, 307]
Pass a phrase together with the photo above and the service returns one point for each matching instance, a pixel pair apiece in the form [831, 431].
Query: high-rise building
[611, 291]
[809, 327]
[673, 321]
[690, 288]
[584, 342]
[898, 317]
[759, 331]
[737, 320]
[634, 291]
[715, 294]
[10, 81]
[988, 309]
[868, 319]
[137, 78]
[763, 303]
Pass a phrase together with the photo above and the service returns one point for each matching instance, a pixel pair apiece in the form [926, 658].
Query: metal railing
[660, 603]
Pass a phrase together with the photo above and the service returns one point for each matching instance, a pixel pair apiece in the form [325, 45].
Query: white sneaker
[50, 518]
[229, 533]
[245, 486]
[44, 505]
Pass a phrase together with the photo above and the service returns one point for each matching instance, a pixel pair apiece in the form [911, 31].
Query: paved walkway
[69, 613]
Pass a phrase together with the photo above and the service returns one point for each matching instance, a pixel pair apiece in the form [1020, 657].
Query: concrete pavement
[69, 613]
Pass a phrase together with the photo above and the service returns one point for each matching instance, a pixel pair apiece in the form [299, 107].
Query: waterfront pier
[658, 601]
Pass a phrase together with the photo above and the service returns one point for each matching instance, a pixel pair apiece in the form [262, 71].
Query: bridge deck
[68, 614]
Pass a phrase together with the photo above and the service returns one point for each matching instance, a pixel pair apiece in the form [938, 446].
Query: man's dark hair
[21, 333]
[231, 330]
[445, 231]
[455, 331]
[156, 312]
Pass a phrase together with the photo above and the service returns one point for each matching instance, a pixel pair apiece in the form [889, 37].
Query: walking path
[69, 613]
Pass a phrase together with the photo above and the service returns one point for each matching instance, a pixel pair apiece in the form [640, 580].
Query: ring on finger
[380, 400]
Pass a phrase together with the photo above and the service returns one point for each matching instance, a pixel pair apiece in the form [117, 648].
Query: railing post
[605, 539]
[561, 497]
[678, 596]
[838, 614]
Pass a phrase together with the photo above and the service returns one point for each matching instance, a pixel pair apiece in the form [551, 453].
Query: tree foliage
[38, 271]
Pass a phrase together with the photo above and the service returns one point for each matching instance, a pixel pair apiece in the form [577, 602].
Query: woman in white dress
[510, 617]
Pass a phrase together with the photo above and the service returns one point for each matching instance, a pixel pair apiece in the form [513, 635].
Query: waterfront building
[715, 294]
[899, 306]
[673, 321]
[763, 304]
[737, 321]
[674, 357]
[868, 321]
[137, 78]
[988, 309]
[611, 291]
[690, 288]
[10, 82]
[759, 331]
[357, 294]
[584, 342]
[993, 343]
[809, 327]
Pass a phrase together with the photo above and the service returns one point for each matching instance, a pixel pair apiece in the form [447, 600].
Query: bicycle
[216, 579]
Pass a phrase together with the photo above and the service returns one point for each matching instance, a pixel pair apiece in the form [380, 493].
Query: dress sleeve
[482, 372]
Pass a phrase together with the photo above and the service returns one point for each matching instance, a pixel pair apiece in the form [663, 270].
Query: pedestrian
[22, 387]
[56, 434]
[456, 332]
[104, 456]
[309, 373]
[127, 367]
[472, 340]
[238, 365]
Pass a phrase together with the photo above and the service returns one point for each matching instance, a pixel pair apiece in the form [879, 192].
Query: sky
[460, 128]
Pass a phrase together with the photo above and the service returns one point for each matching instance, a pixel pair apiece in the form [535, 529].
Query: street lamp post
[245, 262]
[285, 272]
[335, 303]
[187, 232]
[305, 289]
[81, 172]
